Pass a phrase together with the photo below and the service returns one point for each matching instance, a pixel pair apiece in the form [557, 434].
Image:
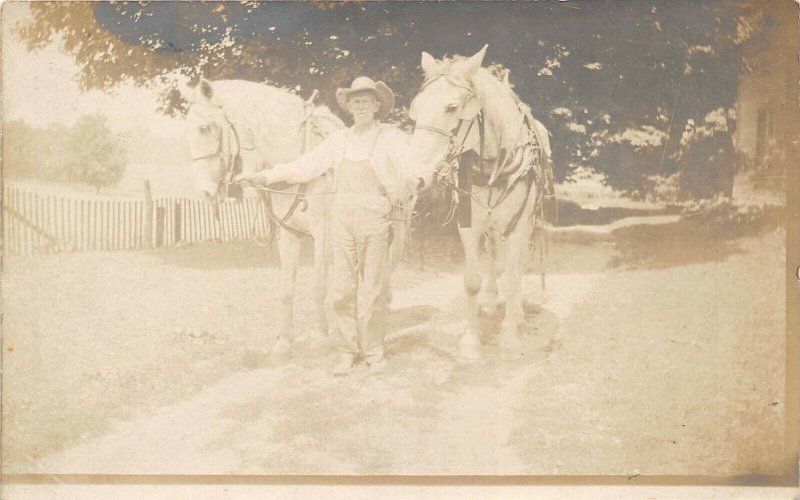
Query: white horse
[476, 135]
[229, 120]
[235, 126]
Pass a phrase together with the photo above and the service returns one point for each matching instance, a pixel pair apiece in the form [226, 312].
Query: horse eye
[452, 108]
[204, 129]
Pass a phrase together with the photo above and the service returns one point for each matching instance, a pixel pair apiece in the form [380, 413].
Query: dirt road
[630, 367]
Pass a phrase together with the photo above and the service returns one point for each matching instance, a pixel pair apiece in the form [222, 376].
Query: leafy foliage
[31, 152]
[722, 215]
[705, 155]
[591, 71]
[95, 155]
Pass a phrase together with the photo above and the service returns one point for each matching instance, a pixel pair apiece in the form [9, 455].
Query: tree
[94, 155]
[595, 73]
[20, 156]
[32, 152]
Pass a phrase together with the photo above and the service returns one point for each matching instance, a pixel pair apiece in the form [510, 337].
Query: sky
[40, 88]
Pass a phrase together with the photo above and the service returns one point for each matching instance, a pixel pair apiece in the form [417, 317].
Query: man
[368, 161]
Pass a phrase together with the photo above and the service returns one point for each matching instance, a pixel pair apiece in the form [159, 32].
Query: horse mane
[268, 118]
[327, 120]
[501, 108]
[238, 96]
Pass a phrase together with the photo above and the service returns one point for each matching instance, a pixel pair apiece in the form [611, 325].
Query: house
[768, 116]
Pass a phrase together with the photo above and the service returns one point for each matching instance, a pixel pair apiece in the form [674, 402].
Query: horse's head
[445, 107]
[208, 133]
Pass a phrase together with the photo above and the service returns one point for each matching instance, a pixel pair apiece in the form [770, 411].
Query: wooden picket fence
[36, 222]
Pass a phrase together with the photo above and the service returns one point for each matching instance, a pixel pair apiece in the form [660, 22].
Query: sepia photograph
[545, 241]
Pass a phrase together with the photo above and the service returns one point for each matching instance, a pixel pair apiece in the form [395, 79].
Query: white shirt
[393, 161]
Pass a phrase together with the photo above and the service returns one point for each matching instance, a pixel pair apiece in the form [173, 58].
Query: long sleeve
[405, 160]
[310, 165]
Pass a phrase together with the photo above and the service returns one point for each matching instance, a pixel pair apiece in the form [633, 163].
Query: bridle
[458, 177]
[448, 171]
[457, 140]
[231, 161]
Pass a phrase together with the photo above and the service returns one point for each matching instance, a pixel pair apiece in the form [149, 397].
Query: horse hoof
[530, 329]
[489, 309]
[281, 351]
[469, 347]
[511, 348]
[318, 338]
[531, 308]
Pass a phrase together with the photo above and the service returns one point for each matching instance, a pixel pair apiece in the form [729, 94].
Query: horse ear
[428, 63]
[183, 88]
[472, 64]
[206, 90]
[185, 91]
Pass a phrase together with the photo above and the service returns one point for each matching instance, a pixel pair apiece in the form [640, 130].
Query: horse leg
[490, 305]
[470, 342]
[289, 252]
[390, 265]
[512, 289]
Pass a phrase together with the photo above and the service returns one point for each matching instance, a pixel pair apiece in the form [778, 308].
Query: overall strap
[375, 142]
[368, 158]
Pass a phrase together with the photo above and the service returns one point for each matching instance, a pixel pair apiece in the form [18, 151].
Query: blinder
[231, 163]
[207, 152]
[471, 107]
[469, 111]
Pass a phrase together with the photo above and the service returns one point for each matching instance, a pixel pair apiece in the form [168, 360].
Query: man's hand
[414, 185]
[254, 179]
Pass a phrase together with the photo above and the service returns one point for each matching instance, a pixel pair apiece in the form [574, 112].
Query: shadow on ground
[688, 241]
[409, 317]
[538, 335]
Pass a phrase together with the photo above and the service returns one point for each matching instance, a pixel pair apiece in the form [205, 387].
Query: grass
[569, 213]
[98, 339]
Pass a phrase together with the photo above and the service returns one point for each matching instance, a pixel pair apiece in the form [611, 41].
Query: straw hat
[382, 93]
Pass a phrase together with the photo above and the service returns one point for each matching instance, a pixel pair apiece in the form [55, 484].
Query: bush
[87, 152]
[706, 157]
[630, 157]
[96, 157]
[723, 216]
[31, 152]
[665, 189]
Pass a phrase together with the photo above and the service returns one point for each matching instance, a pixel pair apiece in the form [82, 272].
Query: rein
[301, 194]
[304, 132]
[307, 126]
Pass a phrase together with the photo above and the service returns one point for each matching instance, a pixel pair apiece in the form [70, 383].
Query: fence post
[148, 215]
[161, 219]
[176, 222]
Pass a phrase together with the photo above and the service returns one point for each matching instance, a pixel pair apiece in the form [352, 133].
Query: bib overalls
[360, 232]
